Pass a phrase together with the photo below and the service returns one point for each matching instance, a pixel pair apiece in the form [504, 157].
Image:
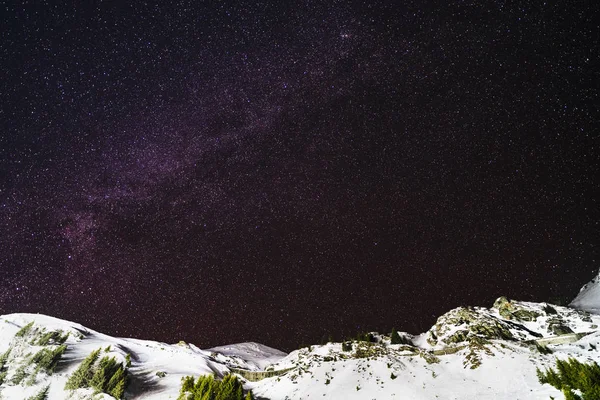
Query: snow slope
[481, 368]
[470, 353]
[588, 298]
[256, 356]
[149, 360]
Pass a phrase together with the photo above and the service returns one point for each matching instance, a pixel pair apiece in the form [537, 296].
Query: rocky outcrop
[512, 311]
[558, 326]
[463, 323]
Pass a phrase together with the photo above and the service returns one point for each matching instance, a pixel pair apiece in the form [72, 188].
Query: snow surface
[508, 375]
[503, 369]
[508, 372]
[588, 298]
[257, 356]
[148, 358]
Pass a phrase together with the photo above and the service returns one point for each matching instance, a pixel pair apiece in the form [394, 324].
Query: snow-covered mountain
[588, 298]
[470, 353]
[155, 369]
[256, 355]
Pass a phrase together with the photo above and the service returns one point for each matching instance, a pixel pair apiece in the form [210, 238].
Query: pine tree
[204, 384]
[225, 388]
[569, 395]
[573, 375]
[187, 384]
[24, 330]
[84, 373]
[48, 359]
[4, 358]
[111, 367]
[119, 378]
[207, 388]
[19, 375]
[395, 337]
[541, 376]
[98, 380]
[119, 389]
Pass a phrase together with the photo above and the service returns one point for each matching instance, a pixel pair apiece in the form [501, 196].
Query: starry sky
[276, 171]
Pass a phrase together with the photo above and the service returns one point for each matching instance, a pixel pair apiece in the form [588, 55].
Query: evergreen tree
[207, 388]
[119, 378]
[84, 373]
[187, 384]
[111, 368]
[119, 389]
[395, 337]
[48, 359]
[52, 337]
[19, 375]
[569, 395]
[98, 380]
[108, 376]
[573, 375]
[24, 330]
[4, 358]
[205, 384]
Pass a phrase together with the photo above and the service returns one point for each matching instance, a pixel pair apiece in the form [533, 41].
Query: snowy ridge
[255, 355]
[588, 298]
[156, 368]
[470, 353]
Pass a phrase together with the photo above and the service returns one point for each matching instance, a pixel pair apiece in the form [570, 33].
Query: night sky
[230, 171]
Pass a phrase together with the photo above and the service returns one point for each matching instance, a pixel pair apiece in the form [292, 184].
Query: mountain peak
[588, 298]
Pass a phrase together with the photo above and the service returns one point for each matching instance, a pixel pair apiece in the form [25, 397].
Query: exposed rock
[476, 347]
[504, 307]
[429, 357]
[473, 323]
[511, 311]
[585, 316]
[492, 330]
[408, 348]
[500, 302]
[558, 326]
[457, 337]
[525, 315]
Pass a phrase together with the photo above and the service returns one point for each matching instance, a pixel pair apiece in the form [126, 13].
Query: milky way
[285, 172]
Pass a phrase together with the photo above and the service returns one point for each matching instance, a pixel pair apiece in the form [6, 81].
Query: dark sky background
[279, 171]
